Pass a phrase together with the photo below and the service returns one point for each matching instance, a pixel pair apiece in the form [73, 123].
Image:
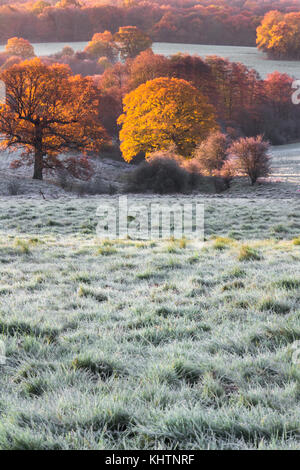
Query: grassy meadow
[166, 344]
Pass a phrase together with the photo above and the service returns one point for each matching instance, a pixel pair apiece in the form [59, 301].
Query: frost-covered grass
[149, 344]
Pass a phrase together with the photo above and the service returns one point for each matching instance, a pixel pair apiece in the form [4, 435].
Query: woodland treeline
[221, 22]
[245, 105]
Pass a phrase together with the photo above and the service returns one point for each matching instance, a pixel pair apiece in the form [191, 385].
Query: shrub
[280, 228]
[198, 180]
[219, 184]
[212, 153]
[195, 177]
[162, 173]
[228, 172]
[251, 157]
[166, 172]
[212, 158]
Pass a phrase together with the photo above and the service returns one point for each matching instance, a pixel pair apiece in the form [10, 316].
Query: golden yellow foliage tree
[49, 111]
[279, 35]
[164, 112]
[19, 47]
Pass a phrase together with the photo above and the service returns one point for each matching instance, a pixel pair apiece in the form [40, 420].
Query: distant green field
[150, 344]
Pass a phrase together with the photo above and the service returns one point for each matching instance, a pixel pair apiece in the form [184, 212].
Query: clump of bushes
[219, 157]
[215, 163]
[164, 173]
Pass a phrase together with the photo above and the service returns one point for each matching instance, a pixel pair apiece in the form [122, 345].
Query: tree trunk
[38, 166]
[38, 155]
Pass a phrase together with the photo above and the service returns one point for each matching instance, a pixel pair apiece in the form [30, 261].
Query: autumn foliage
[151, 102]
[19, 47]
[49, 112]
[164, 112]
[131, 41]
[193, 21]
[279, 35]
[211, 153]
[102, 45]
[251, 157]
[244, 104]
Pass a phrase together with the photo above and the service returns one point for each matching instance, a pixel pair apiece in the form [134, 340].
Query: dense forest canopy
[221, 22]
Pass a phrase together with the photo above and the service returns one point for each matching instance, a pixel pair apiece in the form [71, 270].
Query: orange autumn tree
[102, 45]
[39, 6]
[19, 47]
[47, 112]
[164, 112]
[279, 35]
[130, 41]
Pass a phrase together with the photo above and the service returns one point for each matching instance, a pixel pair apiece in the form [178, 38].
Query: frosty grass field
[150, 344]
